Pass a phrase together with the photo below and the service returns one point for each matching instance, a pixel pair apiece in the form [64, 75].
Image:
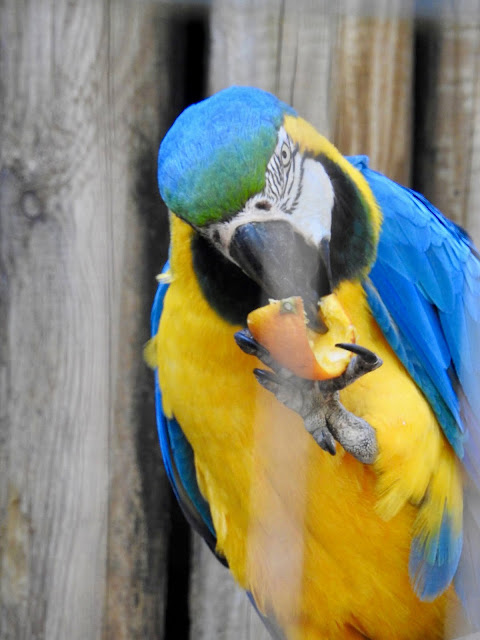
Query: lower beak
[283, 264]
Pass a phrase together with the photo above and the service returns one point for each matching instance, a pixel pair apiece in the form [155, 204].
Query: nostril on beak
[264, 205]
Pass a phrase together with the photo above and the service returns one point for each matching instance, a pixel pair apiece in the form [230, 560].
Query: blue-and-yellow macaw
[344, 546]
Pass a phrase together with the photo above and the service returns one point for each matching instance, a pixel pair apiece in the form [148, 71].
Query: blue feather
[433, 566]
[268, 620]
[425, 273]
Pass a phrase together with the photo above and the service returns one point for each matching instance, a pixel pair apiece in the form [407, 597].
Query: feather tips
[433, 561]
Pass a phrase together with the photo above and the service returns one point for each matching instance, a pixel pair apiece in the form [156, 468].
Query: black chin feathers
[226, 288]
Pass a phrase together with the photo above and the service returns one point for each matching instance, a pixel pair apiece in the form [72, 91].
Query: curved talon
[279, 387]
[265, 377]
[363, 352]
[249, 345]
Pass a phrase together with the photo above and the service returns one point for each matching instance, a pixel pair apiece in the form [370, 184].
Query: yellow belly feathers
[321, 541]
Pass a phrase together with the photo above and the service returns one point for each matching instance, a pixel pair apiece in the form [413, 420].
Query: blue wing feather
[177, 453]
[424, 291]
[432, 567]
[427, 274]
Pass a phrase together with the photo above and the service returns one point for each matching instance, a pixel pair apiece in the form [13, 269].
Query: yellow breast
[321, 541]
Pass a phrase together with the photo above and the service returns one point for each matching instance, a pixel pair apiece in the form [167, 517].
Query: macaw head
[269, 193]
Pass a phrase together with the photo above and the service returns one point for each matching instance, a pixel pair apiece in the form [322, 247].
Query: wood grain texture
[80, 92]
[371, 84]
[220, 610]
[472, 218]
[281, 46]
[448, 147]
[138, 497]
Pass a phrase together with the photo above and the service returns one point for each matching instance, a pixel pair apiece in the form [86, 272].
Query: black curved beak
[283, 264]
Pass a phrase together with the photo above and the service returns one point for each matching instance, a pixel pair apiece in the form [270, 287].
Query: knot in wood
[31, 205]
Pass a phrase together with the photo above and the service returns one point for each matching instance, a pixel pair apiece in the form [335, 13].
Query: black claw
[262, 375]
[249, 345]
[369, 356]
[267, 379]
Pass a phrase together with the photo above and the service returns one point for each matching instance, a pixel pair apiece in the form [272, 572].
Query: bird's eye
[285, 154]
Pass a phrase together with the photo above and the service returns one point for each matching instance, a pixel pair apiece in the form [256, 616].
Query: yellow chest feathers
[298, 526]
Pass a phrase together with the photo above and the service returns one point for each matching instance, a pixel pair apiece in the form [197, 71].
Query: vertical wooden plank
[57, 266]
[305, 57]
[139, 498]
[472, 218]
[220, 609]
[69, 124]
[284, 47]
[371, 84]
[448, 99]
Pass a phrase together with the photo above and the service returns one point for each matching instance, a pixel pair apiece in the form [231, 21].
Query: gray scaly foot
[318, 402]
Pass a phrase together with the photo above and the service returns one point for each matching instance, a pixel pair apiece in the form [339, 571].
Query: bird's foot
[317, 401]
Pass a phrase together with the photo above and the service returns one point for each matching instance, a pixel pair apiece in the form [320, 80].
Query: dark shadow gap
[177, 613]
[188, 72]
[427, 56]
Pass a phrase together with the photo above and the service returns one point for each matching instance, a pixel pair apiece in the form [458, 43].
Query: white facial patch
[312, 215]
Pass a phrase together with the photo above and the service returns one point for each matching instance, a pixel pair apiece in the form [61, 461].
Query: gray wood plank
[283, 47]
[371, 84]
[80, 91]
[139, 498]
[220, 609]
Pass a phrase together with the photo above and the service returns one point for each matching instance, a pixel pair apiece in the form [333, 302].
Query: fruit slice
[281, 328]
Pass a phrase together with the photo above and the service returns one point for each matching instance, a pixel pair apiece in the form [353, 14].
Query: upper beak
[283, 263]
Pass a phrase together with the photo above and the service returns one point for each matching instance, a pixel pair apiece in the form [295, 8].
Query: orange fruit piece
[281, 327]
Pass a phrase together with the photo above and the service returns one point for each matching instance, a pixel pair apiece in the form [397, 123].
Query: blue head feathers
[214, 157]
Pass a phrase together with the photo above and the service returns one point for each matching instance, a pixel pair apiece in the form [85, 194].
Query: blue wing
[424, 291]
[177, 453]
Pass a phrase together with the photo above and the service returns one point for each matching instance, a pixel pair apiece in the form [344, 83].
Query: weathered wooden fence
[91, 544]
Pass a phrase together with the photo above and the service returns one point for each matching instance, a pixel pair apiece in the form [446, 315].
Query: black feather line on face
[225, 287]
[352, 244]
